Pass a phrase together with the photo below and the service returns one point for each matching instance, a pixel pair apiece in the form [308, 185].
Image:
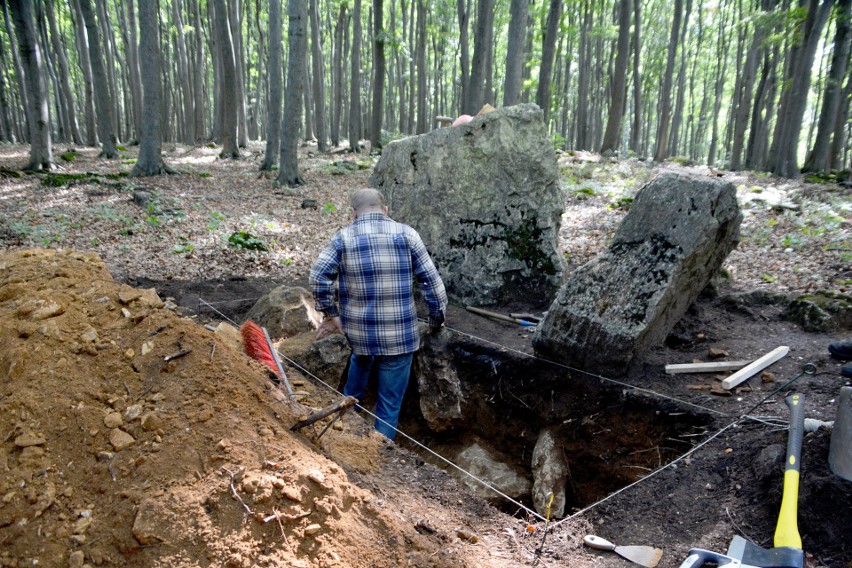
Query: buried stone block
[550, 473]
[674, 239]
[285, 312]
[495, 470]
[485, 199]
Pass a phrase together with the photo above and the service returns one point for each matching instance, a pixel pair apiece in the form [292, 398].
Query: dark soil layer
[704, 499]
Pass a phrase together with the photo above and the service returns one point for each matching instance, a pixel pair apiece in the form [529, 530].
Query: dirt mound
[131, 436]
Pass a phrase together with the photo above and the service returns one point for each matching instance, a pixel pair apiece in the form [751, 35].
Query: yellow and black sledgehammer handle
[787, 529]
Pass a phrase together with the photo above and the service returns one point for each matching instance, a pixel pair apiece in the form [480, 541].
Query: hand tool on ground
[788, 544]
[501, 317]
[259, 347]
[647, 556]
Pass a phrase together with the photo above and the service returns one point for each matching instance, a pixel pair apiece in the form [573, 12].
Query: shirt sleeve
[323, 276]
[425, 272]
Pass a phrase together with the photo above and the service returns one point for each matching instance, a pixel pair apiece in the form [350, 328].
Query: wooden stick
[758, 365]
[339, 406]
[501, 317]
[683, 368]
[180, 353]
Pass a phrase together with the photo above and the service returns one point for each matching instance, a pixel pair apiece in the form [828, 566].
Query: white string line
[229, 301]
[601, 377]
[398, 431]
[513, 501]
[650, 475]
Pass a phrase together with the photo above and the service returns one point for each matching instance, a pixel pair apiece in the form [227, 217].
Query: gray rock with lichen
[485, 199]
[674, 239]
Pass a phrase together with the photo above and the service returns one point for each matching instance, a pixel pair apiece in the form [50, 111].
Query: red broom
[259, 347]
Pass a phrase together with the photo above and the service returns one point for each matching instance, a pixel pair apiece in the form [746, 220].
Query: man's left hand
[329, 326]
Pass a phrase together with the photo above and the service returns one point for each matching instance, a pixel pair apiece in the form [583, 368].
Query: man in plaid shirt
[375, 262]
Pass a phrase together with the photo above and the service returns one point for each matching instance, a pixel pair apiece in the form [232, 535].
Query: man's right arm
[322, 278]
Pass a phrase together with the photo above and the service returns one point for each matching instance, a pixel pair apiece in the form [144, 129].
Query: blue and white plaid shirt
[376, 261]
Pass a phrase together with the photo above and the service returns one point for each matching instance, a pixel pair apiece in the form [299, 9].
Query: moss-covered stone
[821, 311]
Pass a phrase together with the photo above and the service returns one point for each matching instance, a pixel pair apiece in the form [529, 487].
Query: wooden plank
[758, 365]
[716, 366]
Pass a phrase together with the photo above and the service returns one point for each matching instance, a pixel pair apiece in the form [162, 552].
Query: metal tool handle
[787, 530]
[598, 542]
[698, 556]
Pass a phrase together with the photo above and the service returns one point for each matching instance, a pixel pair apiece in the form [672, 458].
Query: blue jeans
[393, 371]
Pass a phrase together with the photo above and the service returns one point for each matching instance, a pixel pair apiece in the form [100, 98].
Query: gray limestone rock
[494, 469]
[674, 239]
[442, 399]
[550, 473]
[325, 358]
[821, 311]
[484, 197]
[285, 311]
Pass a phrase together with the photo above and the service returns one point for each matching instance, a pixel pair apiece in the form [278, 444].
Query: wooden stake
[758, 365]
[683, 368]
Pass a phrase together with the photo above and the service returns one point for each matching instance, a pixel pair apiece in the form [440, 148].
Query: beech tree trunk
[183, 68]
[318, 79]
[481, 44]
[228, 83]
[38, 111]
[548, 48]
[635, 131]
[337, 77]
[288, 174]
[666, 90]
[464, 47]
[819, 159]
[103, 104]
[275, 71]
[235, 22]
[422, 120]
[619, 78]
[150, 161]
[379, 39]
[65, 75]
[783, 158]
[355, 80]
[515, 52]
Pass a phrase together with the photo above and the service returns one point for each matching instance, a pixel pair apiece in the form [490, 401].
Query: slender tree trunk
[666, 90]
[674, 142]
[582, 115]
[62, 126]
[515, 52]
[819, 158]
[355, 81]
[463, 9]
[150, 162]
[183, 71]
[297, 12]
[65, 75]
[548, 48]
[216, 54]
[635, 131]
[235, 21]
[7, 131]
[337, 77]
[838, 139]
[306, 101]
[275, 71]
[108, 56]
[228, 84]
[106, 120]
[82, 36]
[41, 153]
[722, 66]
[133, 63]
[199, 72]
[422, 120]
[783, 158]
[481, 44]
[19, 68]
[744, 98]
[619, 79]
[318, 79]
[379, 38]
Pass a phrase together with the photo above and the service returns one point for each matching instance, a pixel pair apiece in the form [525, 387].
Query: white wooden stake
[712, 367]
[743, 374]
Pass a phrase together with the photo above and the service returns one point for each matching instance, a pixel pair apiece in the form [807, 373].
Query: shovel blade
[753, 556]
[647, 556]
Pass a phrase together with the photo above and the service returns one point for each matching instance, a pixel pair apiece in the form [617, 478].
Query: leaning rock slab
[285, 311]
[325, 358]
[442, 397]
[674, 239]
[484, 197]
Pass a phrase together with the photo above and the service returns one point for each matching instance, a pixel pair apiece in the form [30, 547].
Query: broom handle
[281, 372]
[787, 530]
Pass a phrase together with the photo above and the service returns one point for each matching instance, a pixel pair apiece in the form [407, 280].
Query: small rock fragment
[767, 377]
[120, 439]
[133, 412]
[316, 476]
[76, 559]
[89, 336]
[147, 347]
[28, 439]
[113, 420]
[312, 529]
[714, 353]
[467, 535]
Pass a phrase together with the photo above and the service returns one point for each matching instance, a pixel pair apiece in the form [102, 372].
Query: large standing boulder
[493, 468]
[484, 197]
[674, 239]
[285, 311]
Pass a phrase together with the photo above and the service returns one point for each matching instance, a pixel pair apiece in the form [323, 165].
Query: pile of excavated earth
[136, 437]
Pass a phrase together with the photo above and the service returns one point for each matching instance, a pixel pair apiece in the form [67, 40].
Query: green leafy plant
[69, 156]
[244, 239]
[153, 220]
[769, 278]
[329, 208]
[584, 192]
[620, 203]
[214, 220]
[185, 246]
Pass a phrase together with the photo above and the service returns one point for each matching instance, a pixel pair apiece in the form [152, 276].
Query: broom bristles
[256, 347]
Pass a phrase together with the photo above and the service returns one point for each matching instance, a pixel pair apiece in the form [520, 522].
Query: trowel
[647, 556]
